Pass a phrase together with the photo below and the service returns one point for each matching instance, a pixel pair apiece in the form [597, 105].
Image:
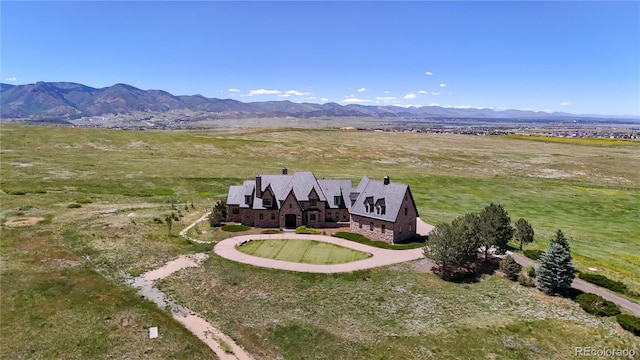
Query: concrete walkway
[582, 285]
[379, 257]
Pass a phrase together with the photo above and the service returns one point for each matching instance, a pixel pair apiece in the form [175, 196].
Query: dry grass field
[79, 207]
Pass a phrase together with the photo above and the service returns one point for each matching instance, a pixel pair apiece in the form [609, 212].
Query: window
[261, 216]
[371, 226]
[329, 214]
[400, 229]
[344, 216]
[378, 210]
[266, 202]
[273, 216]
[405, 211]
[337, 200]
[382, 228]
[360, 225]
[290, 206]
[313, 202]
[247, 199]
[235, 211]
[410, 227]
[312, 217]
[383, 209]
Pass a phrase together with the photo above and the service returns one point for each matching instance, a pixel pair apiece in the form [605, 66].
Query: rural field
[81, 207]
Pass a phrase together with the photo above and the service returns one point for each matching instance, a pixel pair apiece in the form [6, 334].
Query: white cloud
[428, 73]
[435, 93]
[352, 100]
[361, 90]
[386, 91]
[324, 99]
[263, 92]
[12, 79]
[386, 98]
[296, 93]
[410, 96]
[234, 90]
[284, 95]
[423, 92]
[443, 85]
[565, 103]
[311, 98]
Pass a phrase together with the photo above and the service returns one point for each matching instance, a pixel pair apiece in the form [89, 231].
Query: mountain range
[67, 101]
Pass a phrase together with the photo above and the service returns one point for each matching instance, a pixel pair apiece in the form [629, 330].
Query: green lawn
[302, 251]
[123, 180]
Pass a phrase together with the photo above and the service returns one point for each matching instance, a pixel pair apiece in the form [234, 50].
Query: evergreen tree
[561, 240]
[454, 246]
[494, 229]
[555, 269]
[510, 267]
[218, 214]
[523, 232]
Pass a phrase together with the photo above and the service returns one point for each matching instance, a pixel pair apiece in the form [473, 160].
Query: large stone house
[377, 209]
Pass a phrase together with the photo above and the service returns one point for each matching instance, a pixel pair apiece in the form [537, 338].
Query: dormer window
[313, 202]
[337, 200]
[266, 202]
[247, 199]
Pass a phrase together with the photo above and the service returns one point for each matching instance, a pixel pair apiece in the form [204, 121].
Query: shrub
[271, 231]
[235, 228]
[305, 230]
[379, 244]
[630, 323]
[597, 305]
[533, 254]
[157, 220]
[16, 192]
[84, 201]
[525, 280]
[74, 206]
[510, 267]
[604, 282]
[531, 271]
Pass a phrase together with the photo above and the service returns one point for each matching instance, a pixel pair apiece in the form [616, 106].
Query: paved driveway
[379, 257]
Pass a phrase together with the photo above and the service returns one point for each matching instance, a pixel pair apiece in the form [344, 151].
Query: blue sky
[574, 56]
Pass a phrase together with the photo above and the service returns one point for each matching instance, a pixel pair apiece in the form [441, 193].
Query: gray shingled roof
[336, 187]
[236, 195]
[393, 195]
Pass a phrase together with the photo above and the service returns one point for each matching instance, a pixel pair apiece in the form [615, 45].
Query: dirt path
[206, 332]
[587, 287]
[183, 233]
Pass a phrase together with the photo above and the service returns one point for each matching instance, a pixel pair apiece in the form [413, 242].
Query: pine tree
[495, 229]
[510, 267]
[561, 240]
[555, 269]
[524, 232]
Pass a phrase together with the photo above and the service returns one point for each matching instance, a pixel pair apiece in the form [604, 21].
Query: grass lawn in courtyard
[302, 251]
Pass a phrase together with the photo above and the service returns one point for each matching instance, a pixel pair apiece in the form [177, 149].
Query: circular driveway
[380, 257]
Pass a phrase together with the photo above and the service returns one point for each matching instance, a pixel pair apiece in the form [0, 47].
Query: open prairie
[80, 207]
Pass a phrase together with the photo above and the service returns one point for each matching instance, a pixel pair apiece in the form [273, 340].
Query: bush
[533, 254]
[525, 280]
[630, 323]
[74, 206]
[84, 201]
[379, 244]
[510, 267]
[597, 305]
[305, 230]
[531, 271]
[271, 231]
[604, 282]
[235, 228]
[157, 220]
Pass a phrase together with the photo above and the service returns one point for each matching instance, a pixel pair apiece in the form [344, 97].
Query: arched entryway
[290, 221]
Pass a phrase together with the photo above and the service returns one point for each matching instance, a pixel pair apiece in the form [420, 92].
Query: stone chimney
[284, 171]
[386, 180]
[259, 186]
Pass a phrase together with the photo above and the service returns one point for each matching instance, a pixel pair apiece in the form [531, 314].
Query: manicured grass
[235, 228]
[302, 251]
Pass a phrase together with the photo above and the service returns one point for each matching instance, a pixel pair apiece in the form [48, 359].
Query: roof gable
[376, 194]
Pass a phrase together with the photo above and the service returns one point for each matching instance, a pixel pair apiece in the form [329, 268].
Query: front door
[290, 221]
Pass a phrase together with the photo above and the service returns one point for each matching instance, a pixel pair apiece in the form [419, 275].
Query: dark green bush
[84, 201]
[525, 280]
[379, 244]
[597, 305]
[271, 231]
[604, 282]
[235, 228]
[630, 323]
[533, 254]
[510, 267]
[74, 206]
[531, 271]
